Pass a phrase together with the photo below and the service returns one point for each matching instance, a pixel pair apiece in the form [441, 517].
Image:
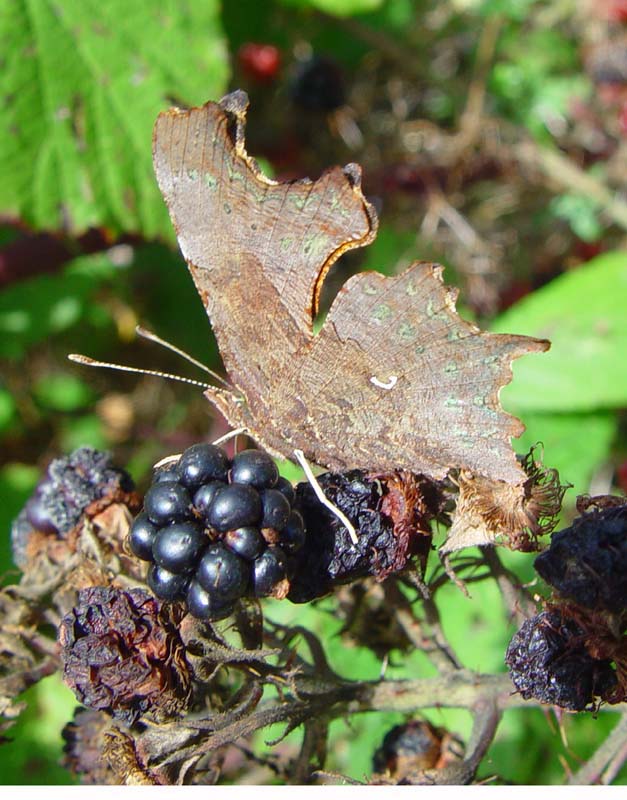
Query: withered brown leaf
[394, 379]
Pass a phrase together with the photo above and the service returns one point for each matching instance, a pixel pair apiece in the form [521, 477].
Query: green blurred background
[493, 136]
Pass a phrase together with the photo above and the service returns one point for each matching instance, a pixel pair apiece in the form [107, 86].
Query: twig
[571, 177]
[592, 770]
[516, 600]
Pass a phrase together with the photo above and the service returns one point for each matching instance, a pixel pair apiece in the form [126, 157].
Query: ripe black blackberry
[70, 486]
[215, 530]
[587, 562]
[548, 660]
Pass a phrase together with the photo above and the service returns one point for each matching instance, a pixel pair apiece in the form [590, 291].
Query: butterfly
[394, 378]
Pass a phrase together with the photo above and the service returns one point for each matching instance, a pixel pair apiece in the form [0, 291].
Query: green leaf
[82, 82]
[583, 313]
[7, 409]
[62, 392]
[574, 444]
[338, 8]
[34, 310]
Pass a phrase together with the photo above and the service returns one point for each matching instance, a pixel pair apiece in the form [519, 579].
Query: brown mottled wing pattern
[413, 384]
[257, 250]
[395, 378]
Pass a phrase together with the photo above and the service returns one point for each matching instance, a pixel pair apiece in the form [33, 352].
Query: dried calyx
[496, 512]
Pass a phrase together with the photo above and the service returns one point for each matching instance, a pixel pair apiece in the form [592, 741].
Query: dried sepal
[496, 512]
[83, 748]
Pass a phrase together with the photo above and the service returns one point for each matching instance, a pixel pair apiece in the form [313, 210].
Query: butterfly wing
[409, 383]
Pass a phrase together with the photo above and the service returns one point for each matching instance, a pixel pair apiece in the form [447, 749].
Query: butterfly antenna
[300, 457]
[152, 337]
[91, 362]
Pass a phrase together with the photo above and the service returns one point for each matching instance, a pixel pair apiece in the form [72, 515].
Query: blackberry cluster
[548, 660]
[60, 499]
[587, 562]
[217, 530]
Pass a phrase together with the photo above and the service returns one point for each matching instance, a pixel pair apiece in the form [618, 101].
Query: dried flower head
[122, 653]
[496, 512]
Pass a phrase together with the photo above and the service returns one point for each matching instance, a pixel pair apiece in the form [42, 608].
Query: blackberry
[275, 508]
[233, 507]
[247, 542]
[587, 562]
[292, 536]
[165, 475]
[210, 529]
[205, 495]
[206, 605]
[268, 570]
[286, 489]
[548, 661]
[166, 585]
[142, 536]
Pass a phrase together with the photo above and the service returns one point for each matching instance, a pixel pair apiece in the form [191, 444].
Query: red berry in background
[614, 10]
[260, 62]
[622, 119]
[621, 476]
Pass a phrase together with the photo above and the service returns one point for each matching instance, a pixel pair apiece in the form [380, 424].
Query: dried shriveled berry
[587, 562]
[548, 660]
[72, 486]
[414, 746]
[122, 653]
[390, 513]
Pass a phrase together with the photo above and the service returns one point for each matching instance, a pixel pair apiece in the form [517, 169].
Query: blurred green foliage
[81, 84]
